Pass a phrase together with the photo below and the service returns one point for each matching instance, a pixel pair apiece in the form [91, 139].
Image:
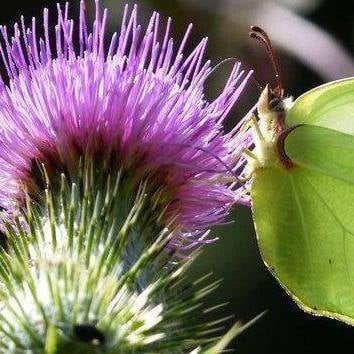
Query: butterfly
[302, 192]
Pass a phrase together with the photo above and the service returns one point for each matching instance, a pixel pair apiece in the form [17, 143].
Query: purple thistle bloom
[141, 101]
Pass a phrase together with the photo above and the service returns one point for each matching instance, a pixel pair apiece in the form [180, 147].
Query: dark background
[247, 285]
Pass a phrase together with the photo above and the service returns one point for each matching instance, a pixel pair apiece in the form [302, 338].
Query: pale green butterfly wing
[304, 220]
[323, 150]
[330, 105]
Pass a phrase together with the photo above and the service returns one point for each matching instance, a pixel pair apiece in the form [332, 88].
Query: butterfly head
[272, 108]
[272, 102]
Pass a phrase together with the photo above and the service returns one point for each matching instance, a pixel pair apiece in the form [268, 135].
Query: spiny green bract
[81, 275]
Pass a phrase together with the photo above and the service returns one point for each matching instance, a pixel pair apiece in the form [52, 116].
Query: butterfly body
[270, 130]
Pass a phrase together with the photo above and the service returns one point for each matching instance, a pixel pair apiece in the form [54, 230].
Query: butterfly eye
[274, 104]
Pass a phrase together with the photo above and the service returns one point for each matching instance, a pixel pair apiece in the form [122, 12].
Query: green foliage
[303, 212]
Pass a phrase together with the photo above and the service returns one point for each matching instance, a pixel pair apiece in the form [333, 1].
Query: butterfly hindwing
[305, 229]
[304, 219]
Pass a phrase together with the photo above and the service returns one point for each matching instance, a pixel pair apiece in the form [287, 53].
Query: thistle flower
[140, 104]
[107, 157]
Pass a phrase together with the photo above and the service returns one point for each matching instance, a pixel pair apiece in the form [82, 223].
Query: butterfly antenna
[218, 65]
[260, 35]
[233, 60]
